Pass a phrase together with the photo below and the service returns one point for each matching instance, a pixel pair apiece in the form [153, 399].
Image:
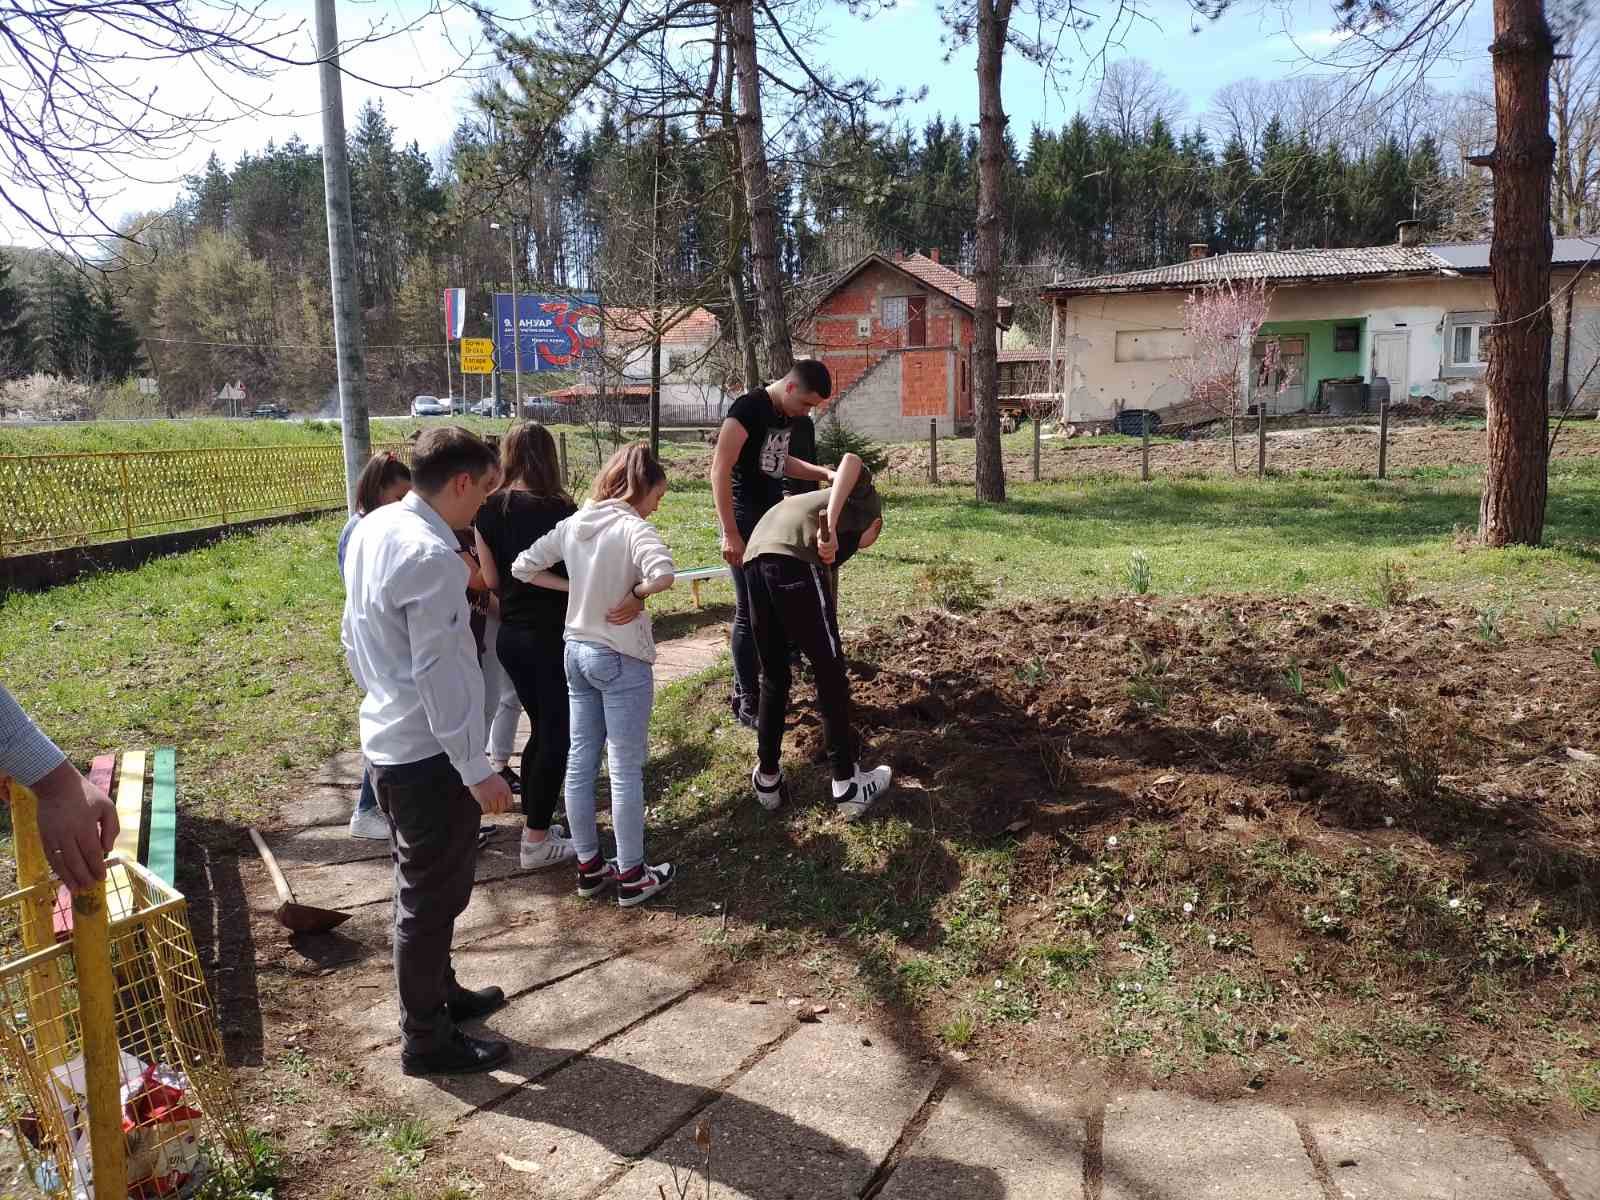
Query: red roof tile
[695, 327]
[942, 278]
[1032, 354]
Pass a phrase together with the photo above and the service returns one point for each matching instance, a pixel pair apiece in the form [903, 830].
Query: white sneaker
[369, 823]
[862, 792]
[769, 797]
[556, 849]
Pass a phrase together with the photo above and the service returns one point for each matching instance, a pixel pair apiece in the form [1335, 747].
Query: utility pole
[655, 296]
[349, 337]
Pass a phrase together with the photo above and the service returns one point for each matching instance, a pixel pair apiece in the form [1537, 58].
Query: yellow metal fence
[52, 501]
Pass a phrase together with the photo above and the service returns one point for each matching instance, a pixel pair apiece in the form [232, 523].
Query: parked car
[275, 412]
[429, 406]
[490, 407]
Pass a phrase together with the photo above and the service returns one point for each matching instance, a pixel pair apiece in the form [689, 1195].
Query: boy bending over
[790, 558]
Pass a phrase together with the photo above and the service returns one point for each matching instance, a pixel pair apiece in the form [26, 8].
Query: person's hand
[732, 548]
[493, 795]
[827, 545]
[77, 825]
[625, 610]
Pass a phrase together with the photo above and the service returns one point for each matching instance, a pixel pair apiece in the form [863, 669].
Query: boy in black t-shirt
[747, 472]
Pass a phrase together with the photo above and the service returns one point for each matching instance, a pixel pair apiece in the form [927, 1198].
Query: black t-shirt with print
[758, 472]
[802, 445]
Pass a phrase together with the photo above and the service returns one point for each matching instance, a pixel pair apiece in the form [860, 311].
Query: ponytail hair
[629, 475]
[528, 456]
[380, 474]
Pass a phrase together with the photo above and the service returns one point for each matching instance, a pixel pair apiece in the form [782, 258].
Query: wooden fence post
[933, 451]
[127, 498]
[1261, 440]
[1034, 417]
[1383, 438]
[1144, 450]
[566, 475]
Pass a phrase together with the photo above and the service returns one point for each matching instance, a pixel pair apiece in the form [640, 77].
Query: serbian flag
[455, 313]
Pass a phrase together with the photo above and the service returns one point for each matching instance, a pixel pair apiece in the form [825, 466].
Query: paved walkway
[622, 1058]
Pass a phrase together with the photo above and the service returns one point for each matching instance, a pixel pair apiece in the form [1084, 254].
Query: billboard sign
[556, 332]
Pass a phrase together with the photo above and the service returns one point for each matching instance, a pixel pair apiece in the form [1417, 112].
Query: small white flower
[1139, 987]
[1187, 908]
[1211, 939]
[1129, 917]
[1122, 987]
[999, 985]
[1112, 841]
[1455, 902]
[1389, 821]
[1238, 993]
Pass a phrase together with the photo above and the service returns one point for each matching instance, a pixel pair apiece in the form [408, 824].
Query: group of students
[472, 565]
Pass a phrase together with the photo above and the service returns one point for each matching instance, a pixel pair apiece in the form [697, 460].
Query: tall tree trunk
[1516, 479]
[993, 18]
[758, 191]
[740, 304]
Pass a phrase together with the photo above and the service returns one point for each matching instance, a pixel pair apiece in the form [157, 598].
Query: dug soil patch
[1248, 843]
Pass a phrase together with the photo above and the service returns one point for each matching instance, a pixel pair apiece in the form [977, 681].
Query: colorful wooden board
[162, 855]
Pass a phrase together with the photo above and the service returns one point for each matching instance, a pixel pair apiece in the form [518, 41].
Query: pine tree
[16, 331]
[117, 352]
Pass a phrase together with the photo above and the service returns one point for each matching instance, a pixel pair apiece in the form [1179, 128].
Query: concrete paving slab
[1159, 1146]
[323, 805]
[350, 885]
[1373, 1157]
[573, 1127]
[546, 1028]
[347, 766]
[992, 1141]
[812, 1121]
[1575, 1158]
[518, 962]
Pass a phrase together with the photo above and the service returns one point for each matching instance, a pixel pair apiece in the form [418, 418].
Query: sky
[901, 47]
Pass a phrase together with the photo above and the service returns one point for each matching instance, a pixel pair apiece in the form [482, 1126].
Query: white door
[1391, 356]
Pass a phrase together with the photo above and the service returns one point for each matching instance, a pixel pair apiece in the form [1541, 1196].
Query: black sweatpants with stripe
[792, 604]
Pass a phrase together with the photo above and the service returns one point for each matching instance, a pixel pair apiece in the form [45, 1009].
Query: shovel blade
[307, 918]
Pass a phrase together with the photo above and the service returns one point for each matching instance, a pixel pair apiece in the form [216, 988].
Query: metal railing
[53, 501]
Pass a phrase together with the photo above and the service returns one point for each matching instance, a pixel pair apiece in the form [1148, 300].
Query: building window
[677, 362]
[1346, 339]
[1466, 342]
[1468, 346]
[894, 312]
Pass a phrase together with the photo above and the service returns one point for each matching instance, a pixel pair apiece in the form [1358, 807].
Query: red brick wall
[925, 381]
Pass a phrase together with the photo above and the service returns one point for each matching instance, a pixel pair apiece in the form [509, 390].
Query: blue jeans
[610, 695]
[368, 799]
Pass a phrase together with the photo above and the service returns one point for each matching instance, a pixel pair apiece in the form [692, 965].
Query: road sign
[477, 356]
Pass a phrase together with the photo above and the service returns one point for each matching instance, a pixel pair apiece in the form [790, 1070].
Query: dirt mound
[1266, 837]
[1239, 708]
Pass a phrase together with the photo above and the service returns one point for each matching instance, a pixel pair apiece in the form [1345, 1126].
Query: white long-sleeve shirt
[407, 636]
[608, 548]
[26, 754]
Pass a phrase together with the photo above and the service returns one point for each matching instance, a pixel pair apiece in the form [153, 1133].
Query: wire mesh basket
[176, 1105]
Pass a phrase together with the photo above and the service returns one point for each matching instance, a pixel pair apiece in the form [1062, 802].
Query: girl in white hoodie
[614, 559]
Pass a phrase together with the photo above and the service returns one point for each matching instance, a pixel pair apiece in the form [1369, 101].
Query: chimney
[1410, 233]
[1199, 250]
[933, 253]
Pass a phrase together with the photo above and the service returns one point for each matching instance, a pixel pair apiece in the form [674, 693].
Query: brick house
[897, 336]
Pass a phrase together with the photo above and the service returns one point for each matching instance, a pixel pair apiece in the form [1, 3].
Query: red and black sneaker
[642, 882]
[594, 875]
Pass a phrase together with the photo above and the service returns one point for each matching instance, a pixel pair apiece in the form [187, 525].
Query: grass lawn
[231, 654]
